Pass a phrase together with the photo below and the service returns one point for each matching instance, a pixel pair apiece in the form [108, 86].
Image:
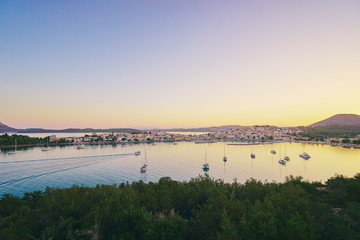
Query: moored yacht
[282, 161]
[80, 147]
[206, 166]
[47, 149]
[144, 167]
[14, 151]
[304, 155]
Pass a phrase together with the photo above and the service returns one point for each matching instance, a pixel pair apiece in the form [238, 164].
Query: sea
[63, 166]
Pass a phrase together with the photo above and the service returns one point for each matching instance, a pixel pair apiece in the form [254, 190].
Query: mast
[205, 156]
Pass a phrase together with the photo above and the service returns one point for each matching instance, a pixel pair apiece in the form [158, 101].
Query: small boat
[47, 149]
[14, 151]
[137, 153]
[206, 166]
[273, 151]
[252, 155]
[286, 157]
[304, 156]
[175, 143]
[144, 168]
[80, 147]
[224, 158]
[282, 162]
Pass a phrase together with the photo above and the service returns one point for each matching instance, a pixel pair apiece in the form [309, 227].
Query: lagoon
[63, 166]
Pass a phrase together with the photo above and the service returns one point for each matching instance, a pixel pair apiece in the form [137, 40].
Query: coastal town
[242, 135]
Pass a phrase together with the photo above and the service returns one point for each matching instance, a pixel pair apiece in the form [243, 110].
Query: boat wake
[45, 174]
[69, 158]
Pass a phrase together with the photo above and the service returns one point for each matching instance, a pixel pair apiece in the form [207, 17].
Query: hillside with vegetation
[332, 131]
[9, 140]
[340, 120]
[339, 125]
[202, 208]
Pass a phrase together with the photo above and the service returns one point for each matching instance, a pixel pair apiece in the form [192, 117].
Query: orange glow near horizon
[177, 67]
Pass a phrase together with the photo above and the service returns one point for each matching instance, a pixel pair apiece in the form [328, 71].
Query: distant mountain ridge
[5, 128]
[339, 119]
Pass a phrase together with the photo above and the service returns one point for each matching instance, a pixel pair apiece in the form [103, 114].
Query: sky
[178, 63]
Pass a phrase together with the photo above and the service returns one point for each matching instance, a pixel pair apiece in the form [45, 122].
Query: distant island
[4, 128]
[337, 125]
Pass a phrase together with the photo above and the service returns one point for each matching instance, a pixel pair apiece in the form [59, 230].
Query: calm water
[33, 169]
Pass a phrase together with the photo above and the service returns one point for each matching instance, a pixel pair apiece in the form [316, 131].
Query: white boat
[286, 157]
[145, 166]
[282, 162]
[14, 151]
[175, 143]
[137, 153]
[252, 155]
[47, 149]
[273, 151]
[80, 147]
[224, 158]
[304, 155]
[206, 166]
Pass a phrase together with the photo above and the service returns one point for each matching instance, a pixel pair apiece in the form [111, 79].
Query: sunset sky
[177, 63]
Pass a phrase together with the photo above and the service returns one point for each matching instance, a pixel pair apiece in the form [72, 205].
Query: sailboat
[206, 166]
[14, 151]
[144, 167]
[47, 149]
[286, 157]
[252, 155]
[281, 161]
[225, 158]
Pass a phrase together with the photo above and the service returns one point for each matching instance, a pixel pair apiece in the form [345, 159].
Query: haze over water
[33, 169]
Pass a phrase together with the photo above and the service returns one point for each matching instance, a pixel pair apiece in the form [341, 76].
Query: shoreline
[343, 145]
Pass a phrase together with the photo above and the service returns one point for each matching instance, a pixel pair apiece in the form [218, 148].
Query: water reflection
[63, 166]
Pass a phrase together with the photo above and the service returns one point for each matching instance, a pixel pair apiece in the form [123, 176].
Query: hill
[5, 128]
[339, 119]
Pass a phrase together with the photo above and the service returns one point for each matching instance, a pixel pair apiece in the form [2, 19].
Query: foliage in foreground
[202, 208]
